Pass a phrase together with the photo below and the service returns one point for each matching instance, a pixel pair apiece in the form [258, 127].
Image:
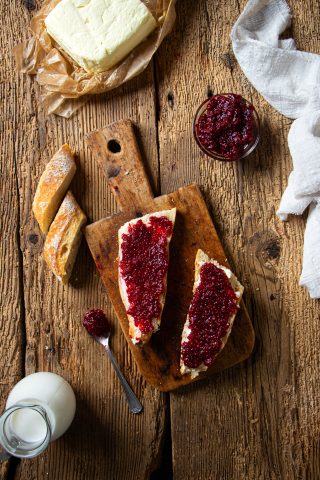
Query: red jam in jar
[143, 267]
[226, 126]
[212, 305]
[96, 323]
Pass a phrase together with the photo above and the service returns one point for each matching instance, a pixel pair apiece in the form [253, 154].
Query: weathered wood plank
[11, 274]
[105, 441]
[256, 421]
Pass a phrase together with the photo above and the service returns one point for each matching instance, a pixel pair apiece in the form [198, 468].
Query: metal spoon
[134, 404]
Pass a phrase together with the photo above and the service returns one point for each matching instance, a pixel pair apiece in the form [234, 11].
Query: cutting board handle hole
[114, 146]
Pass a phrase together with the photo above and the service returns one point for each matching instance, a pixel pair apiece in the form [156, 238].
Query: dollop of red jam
[143, 266]
[226, 127]
[96, 323]
[212, 305]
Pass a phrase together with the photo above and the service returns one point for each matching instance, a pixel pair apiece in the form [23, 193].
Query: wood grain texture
[11, 298]
[158, 360]
[57, 341]
[117, 153]
[258, 420]
[105, 440]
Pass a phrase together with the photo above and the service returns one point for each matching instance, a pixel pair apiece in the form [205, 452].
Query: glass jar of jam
[226, 127]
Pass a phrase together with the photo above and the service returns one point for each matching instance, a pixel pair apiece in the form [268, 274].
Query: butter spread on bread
[216, 297]
[52, 187]
[63, 239]
[143, 267]
[98, 34]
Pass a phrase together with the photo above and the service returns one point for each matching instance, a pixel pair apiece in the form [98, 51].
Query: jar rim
[29, 450]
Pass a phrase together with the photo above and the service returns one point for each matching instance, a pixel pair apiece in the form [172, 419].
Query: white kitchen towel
[290, 81]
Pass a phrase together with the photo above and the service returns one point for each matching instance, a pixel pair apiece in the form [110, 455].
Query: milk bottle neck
[25, 430]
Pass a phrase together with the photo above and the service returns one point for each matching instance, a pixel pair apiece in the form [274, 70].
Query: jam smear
[96, 323]
[226, 127]
[212, 305]
[143, 267]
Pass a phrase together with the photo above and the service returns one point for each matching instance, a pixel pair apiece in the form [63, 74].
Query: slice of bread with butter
[98, 34]
[142, 253]
[203, 328]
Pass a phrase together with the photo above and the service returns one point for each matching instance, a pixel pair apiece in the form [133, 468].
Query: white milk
[51, 392]
[28, 425]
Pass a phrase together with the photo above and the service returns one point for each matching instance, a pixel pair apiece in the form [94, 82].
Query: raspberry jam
[96, 323]
[143, 267]
[226, 126]
[212, 305]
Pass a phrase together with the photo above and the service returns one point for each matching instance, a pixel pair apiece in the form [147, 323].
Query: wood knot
[267, 247]
[47, 327]
[113, 172]
[33, 238]
[170, 99]
[272, 248]
[30, 4]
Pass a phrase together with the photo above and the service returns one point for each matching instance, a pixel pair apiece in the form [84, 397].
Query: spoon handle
[134, 404]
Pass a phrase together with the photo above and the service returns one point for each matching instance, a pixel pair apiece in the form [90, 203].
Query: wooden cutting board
[116, 151]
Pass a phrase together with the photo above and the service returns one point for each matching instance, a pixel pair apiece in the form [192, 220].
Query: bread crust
[137, 337]
[64, 237]
[202, 258]
[52, 186]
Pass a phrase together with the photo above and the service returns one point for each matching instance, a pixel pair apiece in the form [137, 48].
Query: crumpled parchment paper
[65, 85]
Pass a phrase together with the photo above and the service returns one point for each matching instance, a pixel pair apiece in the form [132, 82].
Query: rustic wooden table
[259, 420]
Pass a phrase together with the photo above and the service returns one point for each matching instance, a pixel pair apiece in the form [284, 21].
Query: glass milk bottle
[39, 409]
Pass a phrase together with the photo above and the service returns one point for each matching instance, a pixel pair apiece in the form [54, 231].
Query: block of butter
[97, 34]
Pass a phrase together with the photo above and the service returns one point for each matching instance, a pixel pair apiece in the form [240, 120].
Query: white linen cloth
[290, 81]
